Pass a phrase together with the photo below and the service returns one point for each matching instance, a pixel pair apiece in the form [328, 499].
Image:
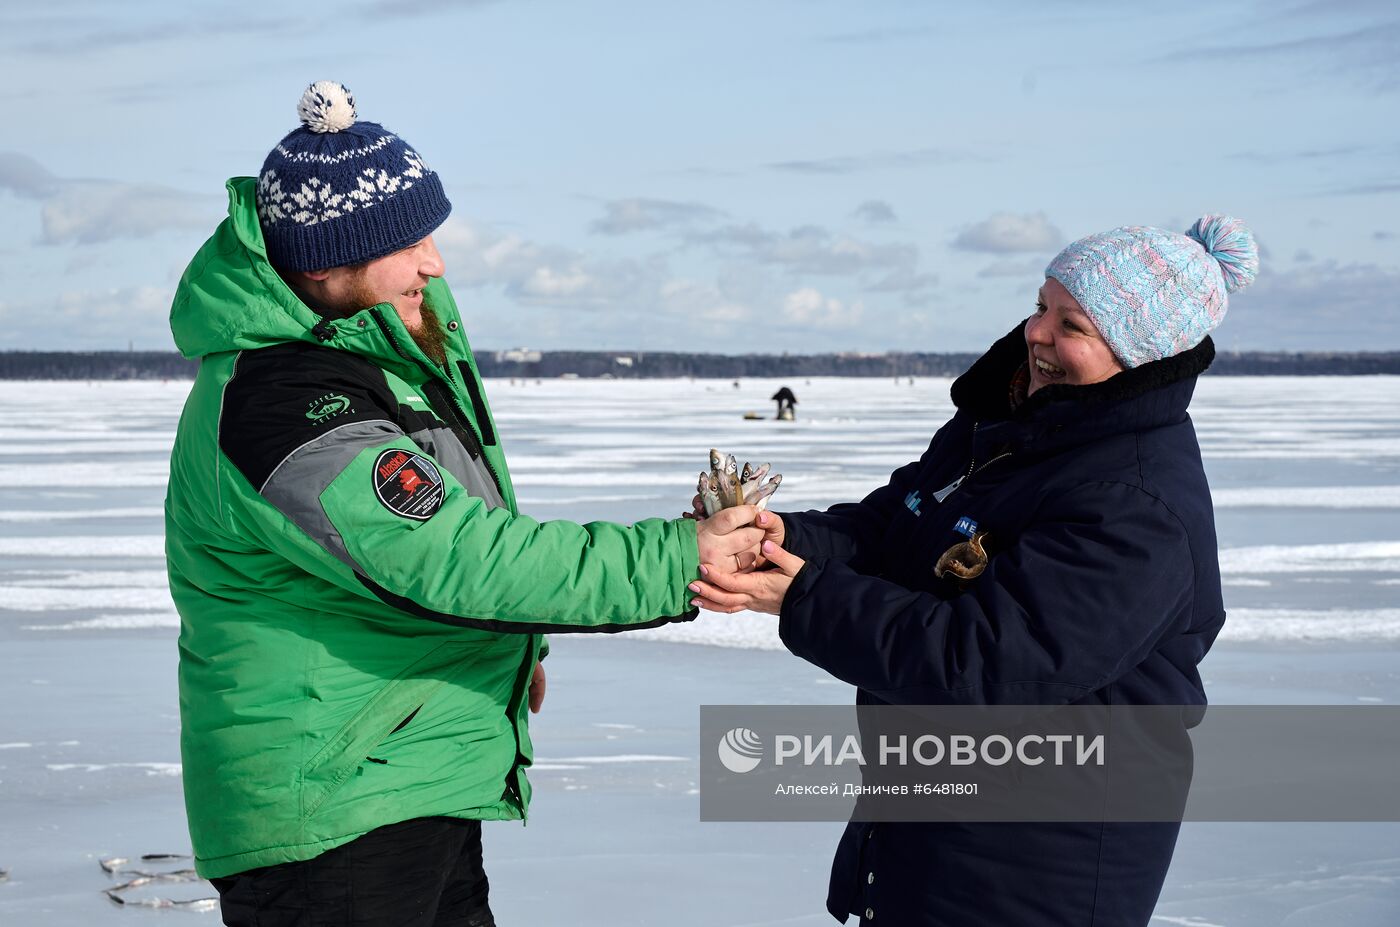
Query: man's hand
[759, 591]
[731, 538]
[537, 689]
[697, 509]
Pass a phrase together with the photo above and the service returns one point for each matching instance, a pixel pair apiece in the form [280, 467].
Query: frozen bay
[1307, 489]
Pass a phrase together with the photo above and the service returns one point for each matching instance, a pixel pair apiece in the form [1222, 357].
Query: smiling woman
[1064, 345]
[1054, 545]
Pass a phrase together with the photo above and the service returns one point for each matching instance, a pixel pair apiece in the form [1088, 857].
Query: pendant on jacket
[964, 561]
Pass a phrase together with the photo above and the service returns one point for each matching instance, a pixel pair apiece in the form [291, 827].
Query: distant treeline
[157, 365]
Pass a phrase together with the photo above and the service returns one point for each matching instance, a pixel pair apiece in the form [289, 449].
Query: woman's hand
[759, 591]
[773, 530]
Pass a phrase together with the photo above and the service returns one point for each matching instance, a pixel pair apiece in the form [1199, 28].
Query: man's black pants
[421, 873]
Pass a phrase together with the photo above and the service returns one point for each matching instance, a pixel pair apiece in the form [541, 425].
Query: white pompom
[327, 106]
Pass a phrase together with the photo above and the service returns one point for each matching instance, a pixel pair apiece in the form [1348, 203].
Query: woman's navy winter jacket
[1102, 587]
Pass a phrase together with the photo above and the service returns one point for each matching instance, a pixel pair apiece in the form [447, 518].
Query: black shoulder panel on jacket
[281, 397]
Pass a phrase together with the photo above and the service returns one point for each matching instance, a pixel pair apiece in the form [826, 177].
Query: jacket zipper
[457, 419]
[462, 422]
[972, 468]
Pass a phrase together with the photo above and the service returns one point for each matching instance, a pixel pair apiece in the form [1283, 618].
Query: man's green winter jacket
[361, 603]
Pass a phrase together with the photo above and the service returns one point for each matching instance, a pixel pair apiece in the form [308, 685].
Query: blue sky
[796, 175]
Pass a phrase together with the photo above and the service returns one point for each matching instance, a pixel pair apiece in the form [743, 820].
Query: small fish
[709, 498]
[175, 875]
[4, 875]
[112, 864]
[765, 492]
[964, 561]
[193, 904]
[130, 884]
[728, 489]
[733, 485]
[162, 857]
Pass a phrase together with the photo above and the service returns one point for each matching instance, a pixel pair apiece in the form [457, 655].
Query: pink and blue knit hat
[336, 191]
[1153, 293]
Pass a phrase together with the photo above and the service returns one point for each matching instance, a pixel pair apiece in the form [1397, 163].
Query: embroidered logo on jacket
[912, 501]
[327, 407]
[408, 484]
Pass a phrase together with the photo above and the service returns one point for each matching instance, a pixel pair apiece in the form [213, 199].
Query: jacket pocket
[324, 774]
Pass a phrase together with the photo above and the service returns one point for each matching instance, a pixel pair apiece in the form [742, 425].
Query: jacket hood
[230, 297]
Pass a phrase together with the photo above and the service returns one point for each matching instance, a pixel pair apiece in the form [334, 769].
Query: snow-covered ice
[1305, 490]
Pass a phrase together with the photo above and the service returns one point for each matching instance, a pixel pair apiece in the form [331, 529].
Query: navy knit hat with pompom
[337, 192]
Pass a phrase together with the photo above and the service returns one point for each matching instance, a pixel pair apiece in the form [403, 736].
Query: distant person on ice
[787, 403]
[362, 605]
[1055, 545]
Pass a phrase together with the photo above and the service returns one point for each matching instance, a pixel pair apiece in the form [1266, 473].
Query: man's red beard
[428, 335]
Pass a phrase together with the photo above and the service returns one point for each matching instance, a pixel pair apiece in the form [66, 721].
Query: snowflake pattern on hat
[337, 191]
[318, 200]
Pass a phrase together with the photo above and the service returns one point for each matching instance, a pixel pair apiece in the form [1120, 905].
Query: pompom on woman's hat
[336, 191]
[1153, 293]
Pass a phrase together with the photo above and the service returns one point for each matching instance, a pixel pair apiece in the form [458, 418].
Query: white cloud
[22, 175]
[1031, 269]
[540, 274]
[95, 211]
[1316, 306]
[640, 214]
[808, 306]
[104, 318]
[90, 212]
[547, 283]
[875, 212]
[808, 249]
[1007, 233]
[701, 302]
[879, 160]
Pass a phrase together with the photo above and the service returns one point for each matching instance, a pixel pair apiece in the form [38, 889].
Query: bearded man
[362, 603]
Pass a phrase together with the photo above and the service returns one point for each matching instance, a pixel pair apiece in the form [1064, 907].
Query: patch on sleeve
[408, 484]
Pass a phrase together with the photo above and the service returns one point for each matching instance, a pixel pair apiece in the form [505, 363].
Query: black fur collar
[982, 390]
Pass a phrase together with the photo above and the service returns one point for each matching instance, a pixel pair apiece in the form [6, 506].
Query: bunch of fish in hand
[725, 485]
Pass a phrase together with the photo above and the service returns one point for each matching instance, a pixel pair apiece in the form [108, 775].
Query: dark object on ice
[786, 402]
[4, 875]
